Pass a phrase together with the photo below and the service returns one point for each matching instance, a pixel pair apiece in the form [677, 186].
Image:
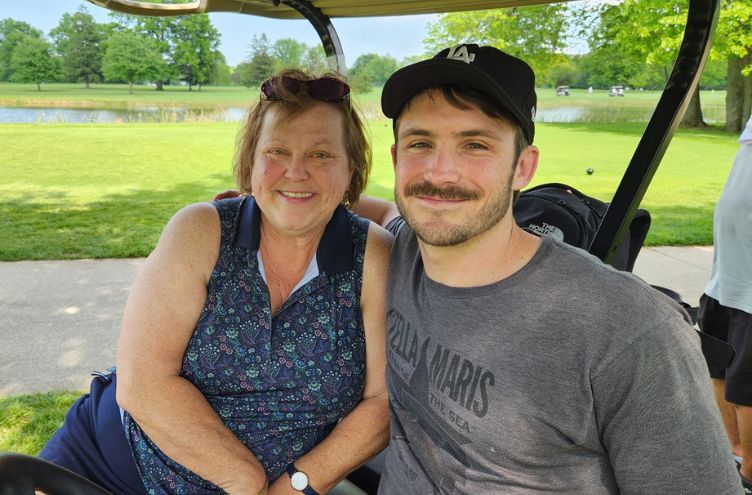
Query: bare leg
[744, 420]
[729, 417]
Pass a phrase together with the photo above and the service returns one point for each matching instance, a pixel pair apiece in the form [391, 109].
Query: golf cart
[616, 91]
[562, 91]
[20, 474]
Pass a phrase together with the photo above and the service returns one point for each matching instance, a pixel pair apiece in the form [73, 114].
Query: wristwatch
[299, 480]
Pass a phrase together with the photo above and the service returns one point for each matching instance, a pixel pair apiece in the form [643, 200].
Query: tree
[734, 41]
[131, 57]
[535, 34]
[78, 40]
[221, 74]
[11, 33]
[260, 64]
[194, 45]
[650, 32]
[288, 53]
[314, 60]
[33, 62]
[159, 29]
[374, 68]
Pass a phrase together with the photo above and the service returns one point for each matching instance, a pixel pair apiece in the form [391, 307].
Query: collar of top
[335, 251]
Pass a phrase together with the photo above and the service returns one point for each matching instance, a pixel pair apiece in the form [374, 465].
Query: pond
[57, 115]
[564, 114]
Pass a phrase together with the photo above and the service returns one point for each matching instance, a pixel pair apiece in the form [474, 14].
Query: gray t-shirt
[566, 377]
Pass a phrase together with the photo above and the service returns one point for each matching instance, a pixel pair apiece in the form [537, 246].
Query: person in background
[726, 305]
[518, 364]
[252, 351]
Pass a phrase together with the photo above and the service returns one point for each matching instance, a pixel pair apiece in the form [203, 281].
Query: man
[726, 306]
[518, 364]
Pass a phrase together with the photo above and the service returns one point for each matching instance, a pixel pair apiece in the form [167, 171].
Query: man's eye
[419, 144]
[477, 146]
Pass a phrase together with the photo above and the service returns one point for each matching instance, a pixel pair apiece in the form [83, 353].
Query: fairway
[106, 190]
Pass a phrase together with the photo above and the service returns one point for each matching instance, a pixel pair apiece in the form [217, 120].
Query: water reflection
[25, 115]
[567, 114]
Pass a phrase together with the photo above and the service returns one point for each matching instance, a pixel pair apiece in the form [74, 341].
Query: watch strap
[308, 490]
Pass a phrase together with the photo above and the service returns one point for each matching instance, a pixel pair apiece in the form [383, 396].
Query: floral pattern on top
[279, 382]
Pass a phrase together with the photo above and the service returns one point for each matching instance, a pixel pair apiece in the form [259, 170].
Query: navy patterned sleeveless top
[279, 382]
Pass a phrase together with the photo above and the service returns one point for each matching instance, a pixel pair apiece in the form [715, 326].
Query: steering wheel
[22, 475]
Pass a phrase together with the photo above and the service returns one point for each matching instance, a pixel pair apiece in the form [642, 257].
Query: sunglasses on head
[322, 89]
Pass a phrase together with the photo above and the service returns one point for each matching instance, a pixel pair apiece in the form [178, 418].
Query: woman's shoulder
[196, 227]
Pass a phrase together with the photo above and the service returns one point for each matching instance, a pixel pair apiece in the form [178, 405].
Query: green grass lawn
[89, 190]
[28, 421]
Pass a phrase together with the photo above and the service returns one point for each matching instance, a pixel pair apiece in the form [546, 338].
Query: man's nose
[442, 167]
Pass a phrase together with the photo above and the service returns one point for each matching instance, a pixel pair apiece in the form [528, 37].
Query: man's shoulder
[586, 282]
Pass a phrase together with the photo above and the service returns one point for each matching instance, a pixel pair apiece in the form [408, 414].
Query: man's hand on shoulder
[230, 193]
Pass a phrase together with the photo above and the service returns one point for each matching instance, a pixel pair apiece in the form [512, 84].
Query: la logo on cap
[460, 52]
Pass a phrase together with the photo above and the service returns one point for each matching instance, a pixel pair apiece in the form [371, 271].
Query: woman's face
[301, 170]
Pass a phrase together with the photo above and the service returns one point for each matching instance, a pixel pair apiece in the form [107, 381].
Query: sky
[399, 36]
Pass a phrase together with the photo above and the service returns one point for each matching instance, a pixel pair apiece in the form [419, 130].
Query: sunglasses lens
[324, 89]
[269, 89]
[328, 89]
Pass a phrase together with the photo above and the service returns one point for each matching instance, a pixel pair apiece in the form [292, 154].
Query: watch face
[299, 481]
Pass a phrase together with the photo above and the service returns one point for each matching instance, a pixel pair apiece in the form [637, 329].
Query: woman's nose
[296, 169]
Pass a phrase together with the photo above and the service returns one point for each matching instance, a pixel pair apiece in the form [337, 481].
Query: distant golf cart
[21, 474]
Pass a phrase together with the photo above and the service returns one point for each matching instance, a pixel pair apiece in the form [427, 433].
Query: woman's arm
[376, 210]
[163, 308]
[364, 432]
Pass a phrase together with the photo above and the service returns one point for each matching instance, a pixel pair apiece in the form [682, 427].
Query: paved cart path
[60, 319]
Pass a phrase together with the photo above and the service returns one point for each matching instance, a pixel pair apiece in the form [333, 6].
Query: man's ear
[527, 164]
[394, 156]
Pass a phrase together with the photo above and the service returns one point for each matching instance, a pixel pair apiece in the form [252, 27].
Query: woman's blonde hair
[288, 106]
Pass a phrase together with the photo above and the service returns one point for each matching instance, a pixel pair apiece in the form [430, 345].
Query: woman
[252, 347]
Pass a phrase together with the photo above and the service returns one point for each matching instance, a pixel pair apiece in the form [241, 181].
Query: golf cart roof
[329, 8]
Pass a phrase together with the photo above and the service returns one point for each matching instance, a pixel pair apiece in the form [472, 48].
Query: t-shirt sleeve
[657, 417]
[395, 224]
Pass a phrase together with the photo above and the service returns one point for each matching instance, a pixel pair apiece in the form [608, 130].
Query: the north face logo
[460, 52]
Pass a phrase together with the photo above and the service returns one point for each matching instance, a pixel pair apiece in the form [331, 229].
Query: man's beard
[447, 234]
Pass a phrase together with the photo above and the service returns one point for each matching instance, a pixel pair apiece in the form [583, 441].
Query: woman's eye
[321, 154]
[276, 151]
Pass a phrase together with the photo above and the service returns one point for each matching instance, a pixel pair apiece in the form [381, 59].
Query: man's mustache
[426, 189]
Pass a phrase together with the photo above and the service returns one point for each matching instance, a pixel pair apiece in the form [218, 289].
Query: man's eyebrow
[478, 133]
[415, 131]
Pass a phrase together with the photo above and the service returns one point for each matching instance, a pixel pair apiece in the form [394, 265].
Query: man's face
[454, 170]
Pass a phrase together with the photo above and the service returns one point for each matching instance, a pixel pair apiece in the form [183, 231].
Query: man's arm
[657, 417]
[376, 210]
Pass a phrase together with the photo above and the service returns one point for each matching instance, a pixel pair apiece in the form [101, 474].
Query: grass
[95, 191]
[28, 421]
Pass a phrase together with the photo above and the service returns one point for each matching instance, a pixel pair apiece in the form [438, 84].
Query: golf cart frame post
[17, 472]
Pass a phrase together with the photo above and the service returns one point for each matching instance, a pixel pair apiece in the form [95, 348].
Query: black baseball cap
[506, 79]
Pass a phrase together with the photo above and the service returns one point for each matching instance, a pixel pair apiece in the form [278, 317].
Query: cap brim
[411, 80]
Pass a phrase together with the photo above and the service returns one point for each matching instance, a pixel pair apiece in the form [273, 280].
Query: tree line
[631, 43]
[161, 50]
